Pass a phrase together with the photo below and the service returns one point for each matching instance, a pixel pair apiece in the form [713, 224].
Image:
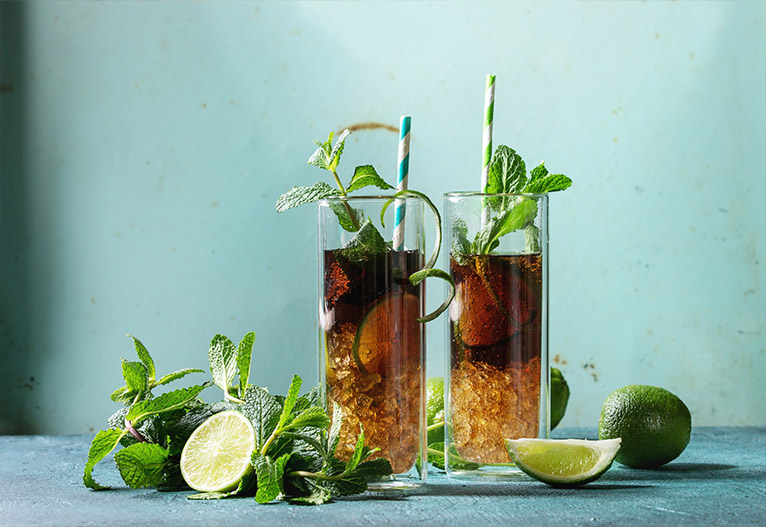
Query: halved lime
[563, 462]
[217, 455]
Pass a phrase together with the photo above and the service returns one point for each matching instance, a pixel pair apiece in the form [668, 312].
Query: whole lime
[435, 409]
[559, 396]
[654, 425]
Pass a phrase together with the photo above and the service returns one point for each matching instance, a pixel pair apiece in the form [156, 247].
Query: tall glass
[371, 346]
[497, 380]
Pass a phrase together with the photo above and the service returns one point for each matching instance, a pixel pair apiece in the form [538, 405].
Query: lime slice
[217, 455]
[390, 325]
[563, 462]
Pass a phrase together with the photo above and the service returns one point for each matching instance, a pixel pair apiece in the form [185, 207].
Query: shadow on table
[518, 488]
[686, 471]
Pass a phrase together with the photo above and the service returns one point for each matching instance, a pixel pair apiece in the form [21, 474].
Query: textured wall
[144, 145]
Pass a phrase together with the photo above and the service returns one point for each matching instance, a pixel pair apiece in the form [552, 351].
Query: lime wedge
[217, 455]
[563, 462]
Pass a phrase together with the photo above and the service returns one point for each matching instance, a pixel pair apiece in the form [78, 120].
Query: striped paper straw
[486, 139]
[401, 182]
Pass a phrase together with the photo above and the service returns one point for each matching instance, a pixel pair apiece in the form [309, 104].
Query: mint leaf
[290, 400]
[263, 410]
[549, 183]
[321, 156]
[117, 419]
[164, 403]
[334, 433]
[314, 448]
[122, 395]
[365, 244]
[507, 173]
[356, 455]
[326, 156]
[337, 150]
[178, 374]
[311, 398]
[532, 238]
[514, 218]
[223, 362]
[461, 247]
[374, 468]
[244, 356]
[102, 444]
[366, 176]
[318, 496]
[269, 473]
[301, 195]
[144, 357]
[135, 375]
[312, 417]
[341, 210]
[142, 464]
[537, 173]
[347, 486]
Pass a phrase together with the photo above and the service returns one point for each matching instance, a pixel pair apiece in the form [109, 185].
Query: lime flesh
[217, 455]
[563, 462]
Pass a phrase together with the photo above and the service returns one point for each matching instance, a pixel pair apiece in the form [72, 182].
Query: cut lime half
[217, 455]
[563, 462]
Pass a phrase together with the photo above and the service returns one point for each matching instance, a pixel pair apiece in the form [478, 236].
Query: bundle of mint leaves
[295, 441]
[508, 213]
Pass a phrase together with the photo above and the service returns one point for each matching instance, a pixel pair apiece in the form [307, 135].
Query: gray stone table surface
[720, 479]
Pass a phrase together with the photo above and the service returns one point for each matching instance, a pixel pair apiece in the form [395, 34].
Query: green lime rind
[559, 397]
[654, 424]
[563, 463]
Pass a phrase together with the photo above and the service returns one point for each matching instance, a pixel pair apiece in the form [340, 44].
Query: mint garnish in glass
[368, 240]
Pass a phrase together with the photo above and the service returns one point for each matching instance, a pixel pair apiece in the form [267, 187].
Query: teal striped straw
[401, 182]
[486, 139]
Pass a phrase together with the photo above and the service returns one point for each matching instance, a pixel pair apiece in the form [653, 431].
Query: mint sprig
[143, 420]
[294, 457]
[327, 157]
[507, 175]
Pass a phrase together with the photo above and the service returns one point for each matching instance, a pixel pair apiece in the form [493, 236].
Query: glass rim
[372, 197]
[473, 194]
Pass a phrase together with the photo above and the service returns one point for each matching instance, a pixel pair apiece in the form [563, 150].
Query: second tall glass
[496, 386]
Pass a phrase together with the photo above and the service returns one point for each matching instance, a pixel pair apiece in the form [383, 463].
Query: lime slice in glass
[217, 455]
[563, 462]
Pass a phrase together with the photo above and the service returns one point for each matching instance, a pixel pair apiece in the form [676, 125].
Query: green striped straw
[486, 138]
[401, 181]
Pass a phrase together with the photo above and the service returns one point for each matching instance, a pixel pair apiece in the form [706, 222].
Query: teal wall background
[144, 145]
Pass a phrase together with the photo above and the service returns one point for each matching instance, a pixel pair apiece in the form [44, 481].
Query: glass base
[394, 485]
[499, 471]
